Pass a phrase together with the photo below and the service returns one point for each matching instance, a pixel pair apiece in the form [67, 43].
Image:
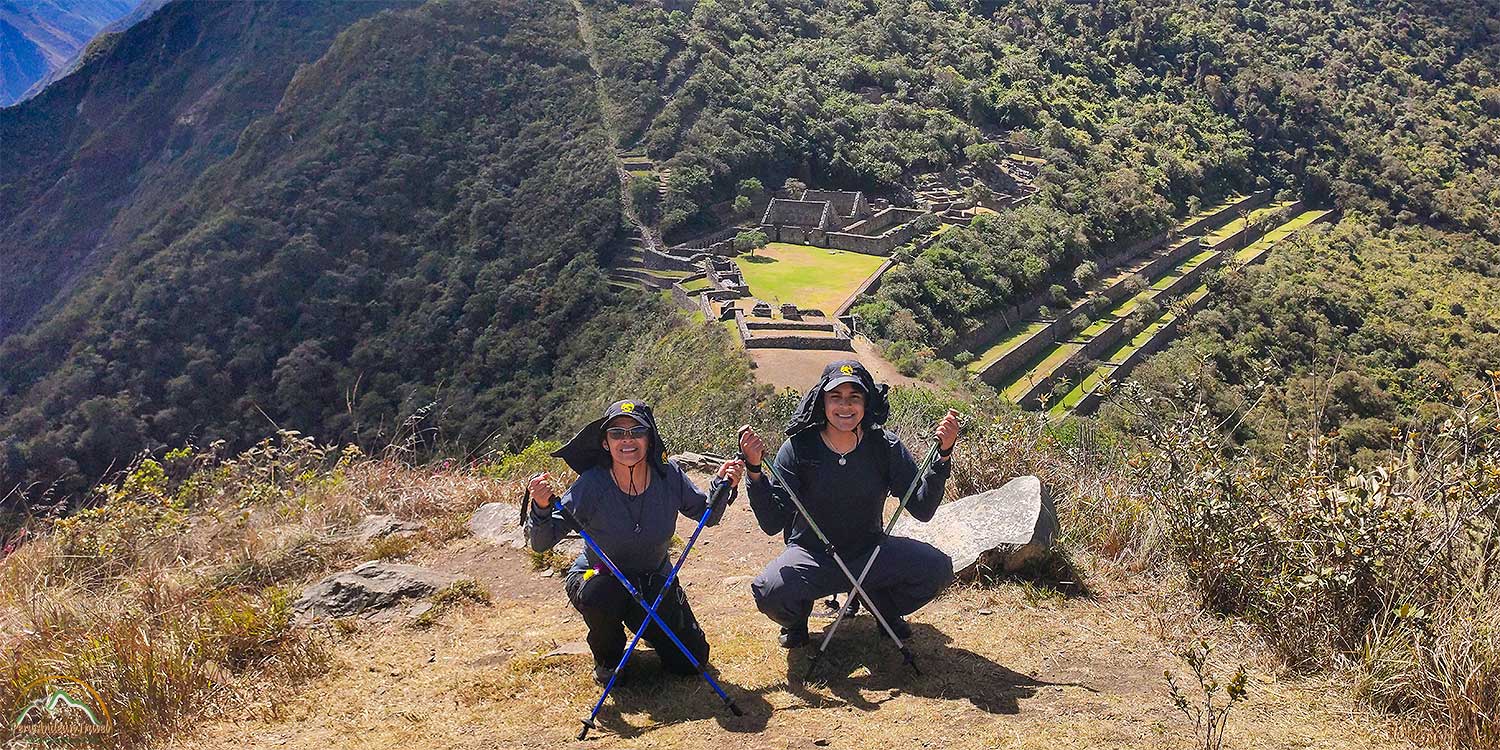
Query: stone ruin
[840, 220]
[952, 193]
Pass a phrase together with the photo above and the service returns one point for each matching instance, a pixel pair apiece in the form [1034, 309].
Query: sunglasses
[620, 433]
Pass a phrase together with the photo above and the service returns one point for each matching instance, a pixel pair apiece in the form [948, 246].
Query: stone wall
[1114, 293]
[788, 325]
[869, 286]
[877, 224]
[662, 261]
[796, 235]
[1248, 203]
[840, 343]
[702, 242]
[1107, 338]
[1021, 148]
[1005, 318]
[1002, 320]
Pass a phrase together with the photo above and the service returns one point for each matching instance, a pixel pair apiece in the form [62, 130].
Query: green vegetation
[75, 188]
[361, 277]
[1017, 336]
[1345, 332]
[807, 276]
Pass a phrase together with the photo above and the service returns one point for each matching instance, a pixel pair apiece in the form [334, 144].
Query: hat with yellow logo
[839, 373]
[586, 449]
[809, 413]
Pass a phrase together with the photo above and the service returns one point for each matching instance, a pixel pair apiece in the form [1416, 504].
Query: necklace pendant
[843, 461]
[637, 528]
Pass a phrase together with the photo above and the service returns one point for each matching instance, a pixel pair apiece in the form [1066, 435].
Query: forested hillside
[100, 155]
[39, 36]
[1144, 110]
[402, 239]
[394, 249]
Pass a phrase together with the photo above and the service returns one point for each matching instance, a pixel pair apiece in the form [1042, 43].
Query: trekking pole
[932, 454]
[651, 615]
[906, 654]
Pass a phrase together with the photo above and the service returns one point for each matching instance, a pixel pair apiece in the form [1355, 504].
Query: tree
[1086, 273]
[750, 241]
[751, 188]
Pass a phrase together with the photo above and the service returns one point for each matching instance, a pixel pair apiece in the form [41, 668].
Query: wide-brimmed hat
[586, 449]
[810, 412]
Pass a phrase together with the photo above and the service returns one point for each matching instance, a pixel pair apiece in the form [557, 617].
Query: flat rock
[999, 529]
[497, 523]
[569, 649]
[688, 461]
[368, 588]
[377, 527]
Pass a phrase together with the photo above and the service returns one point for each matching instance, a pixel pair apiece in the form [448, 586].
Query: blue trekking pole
[718, 496]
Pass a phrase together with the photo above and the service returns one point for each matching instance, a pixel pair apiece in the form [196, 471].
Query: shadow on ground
[864, 660]
[672, 699]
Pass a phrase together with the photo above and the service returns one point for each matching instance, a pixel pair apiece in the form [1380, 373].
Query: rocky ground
[1009, 665]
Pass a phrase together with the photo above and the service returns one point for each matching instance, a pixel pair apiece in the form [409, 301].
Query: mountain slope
[39, 36]
[401, 242]
[90, 161]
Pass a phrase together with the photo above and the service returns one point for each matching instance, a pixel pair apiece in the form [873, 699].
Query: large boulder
[999, 529]
[379, 527]
[369, 587]
[498, 523]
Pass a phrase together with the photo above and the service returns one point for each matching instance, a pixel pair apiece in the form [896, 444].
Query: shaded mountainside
[39, 36]
[101, 42]
[403, 240]
[94, 159]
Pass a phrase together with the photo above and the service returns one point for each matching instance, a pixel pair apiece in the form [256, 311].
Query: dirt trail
[1003, 667]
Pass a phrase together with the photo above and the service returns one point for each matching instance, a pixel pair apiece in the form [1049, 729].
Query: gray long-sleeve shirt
[846, 501]
[612, 517]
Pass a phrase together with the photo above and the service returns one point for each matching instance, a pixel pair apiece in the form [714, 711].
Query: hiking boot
[832, 603]
[795, 637]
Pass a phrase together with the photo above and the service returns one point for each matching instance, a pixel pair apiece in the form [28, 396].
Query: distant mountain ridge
[96, 45]
[41, 37]
[373, 225]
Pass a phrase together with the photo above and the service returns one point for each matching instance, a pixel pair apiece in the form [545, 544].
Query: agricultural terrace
[806, 276]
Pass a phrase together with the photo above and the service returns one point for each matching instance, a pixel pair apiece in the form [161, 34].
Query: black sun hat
[586, 449]
[810, 412]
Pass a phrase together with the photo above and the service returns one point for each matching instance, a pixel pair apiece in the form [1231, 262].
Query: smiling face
[844, 407]
[626, 451]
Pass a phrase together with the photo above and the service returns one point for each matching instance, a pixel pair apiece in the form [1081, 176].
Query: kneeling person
[627, 497]
[842, 465]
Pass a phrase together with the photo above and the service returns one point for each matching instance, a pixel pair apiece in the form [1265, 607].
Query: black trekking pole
[651, 615]
[932, 455]
[906, 654]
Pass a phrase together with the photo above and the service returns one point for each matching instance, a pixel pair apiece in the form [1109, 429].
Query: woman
[842, 466]
[627, 497]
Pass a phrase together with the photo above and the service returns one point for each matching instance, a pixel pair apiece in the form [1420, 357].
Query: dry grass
[172, 593]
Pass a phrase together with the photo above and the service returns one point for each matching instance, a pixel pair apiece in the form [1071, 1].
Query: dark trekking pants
[907, 575]
[606, 606]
